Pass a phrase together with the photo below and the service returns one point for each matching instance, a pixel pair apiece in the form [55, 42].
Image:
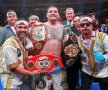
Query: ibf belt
[44, 63]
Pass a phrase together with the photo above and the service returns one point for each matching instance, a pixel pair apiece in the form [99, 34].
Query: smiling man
[53, 46]
[13, 61]
[94, 55]
[8, 31]
[73, 70]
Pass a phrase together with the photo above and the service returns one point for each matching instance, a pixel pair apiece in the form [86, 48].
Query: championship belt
[38, 32]
[45, 63]
[67, 29]
[38, 38]
[71, 49]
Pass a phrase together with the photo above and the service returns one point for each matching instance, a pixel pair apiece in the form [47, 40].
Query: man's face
[70, 14]
[33, 20]
[76, 23]
[86, 28]
[11, 18]
[93, 17]
[22, 30]
[52, 13]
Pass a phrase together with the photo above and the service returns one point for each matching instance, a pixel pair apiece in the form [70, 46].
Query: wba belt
[45, 63]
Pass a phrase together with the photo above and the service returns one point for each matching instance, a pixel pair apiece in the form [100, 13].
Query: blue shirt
[5, 33]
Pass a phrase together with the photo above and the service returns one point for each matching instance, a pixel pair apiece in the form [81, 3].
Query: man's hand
[98, 56]
[37, 71]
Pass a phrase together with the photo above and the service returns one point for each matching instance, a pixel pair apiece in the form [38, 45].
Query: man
[53, 46]
[94, 55]
[70, 17]
[79, 14]
[32, 20]
[76, 22]
[34, 23]
[8, 31]
[14, 56]
[69, 13]
[72, 71]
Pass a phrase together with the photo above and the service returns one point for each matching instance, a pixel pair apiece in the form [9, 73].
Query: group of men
[72, 40]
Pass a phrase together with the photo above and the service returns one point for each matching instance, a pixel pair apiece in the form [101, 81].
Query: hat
[33, 16]
[24, 22]
[87, 19]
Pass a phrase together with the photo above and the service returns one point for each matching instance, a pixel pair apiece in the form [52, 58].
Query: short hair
[9, 11]
[52, 6]
[79, 14]
[31, 16]
[69, 9]
[91, 14]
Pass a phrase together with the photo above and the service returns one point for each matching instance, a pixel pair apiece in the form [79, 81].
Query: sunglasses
[87, 24]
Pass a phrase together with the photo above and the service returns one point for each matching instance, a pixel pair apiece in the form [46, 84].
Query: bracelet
[33, 74]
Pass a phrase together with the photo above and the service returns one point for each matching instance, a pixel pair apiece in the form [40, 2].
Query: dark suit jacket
[73, 28]
[77, 64]
[64, 23]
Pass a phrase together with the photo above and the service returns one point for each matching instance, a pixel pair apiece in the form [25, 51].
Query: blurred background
[25, 8]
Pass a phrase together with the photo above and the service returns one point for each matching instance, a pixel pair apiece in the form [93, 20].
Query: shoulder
[101, 34]
[5, 27]
[8, 47]
[45, 24]
[64, 22]
[11, 41]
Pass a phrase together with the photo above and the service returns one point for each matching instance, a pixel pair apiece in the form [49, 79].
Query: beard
[85, 31]
[22, 34]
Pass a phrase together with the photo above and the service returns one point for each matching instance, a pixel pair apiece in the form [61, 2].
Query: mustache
[85, 29]
[22, 32]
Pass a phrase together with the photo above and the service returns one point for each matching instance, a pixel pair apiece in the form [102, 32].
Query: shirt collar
[69, 22]
[93, 35]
